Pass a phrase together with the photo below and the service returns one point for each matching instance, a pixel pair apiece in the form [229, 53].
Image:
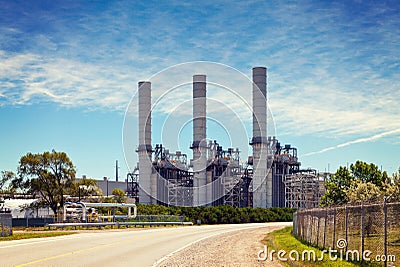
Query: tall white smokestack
[262, 182]
[199, 145]
[145, 149]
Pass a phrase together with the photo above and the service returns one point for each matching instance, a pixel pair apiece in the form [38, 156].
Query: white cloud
[29, 78]
[327, 74]
[318, 109]
[359, 140]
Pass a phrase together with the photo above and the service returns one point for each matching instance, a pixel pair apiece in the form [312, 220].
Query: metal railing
[157, 218]
[363, 229]
[114, 224]
[123, 221]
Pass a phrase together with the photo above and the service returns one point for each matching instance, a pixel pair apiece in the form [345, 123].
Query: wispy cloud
[359, 140]
[330, 71]
[30, 78]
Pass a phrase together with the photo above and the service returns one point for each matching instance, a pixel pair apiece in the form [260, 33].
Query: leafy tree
[361, 192]
[335, 187]
[5, 181]
[86, 187]
[391, 187]
[48, 174]
[342, 182]
[367, 173]
[118, 195]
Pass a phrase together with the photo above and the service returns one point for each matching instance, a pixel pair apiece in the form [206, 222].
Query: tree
[335, 187]
[118, 195]
[342, 182]
[362, 192]
[5, 181]
[85, 187]
[367, 173]
[48, 174]
[391, 187]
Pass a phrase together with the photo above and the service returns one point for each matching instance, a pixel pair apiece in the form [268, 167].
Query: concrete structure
[144, 149]
[262, 183]
[108, 186]
[199, 145]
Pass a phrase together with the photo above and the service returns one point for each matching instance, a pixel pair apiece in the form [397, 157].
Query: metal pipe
[116, 205]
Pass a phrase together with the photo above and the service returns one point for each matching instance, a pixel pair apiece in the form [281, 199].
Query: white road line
[45, 240]
[24, 242]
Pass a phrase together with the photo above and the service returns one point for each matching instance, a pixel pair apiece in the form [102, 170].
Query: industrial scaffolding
[175, 182]
[226, 173]
[227, 181]
[285, 163]
[304, 189]
[132, 184]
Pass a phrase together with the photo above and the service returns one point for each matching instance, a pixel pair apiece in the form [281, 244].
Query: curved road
[134, 247]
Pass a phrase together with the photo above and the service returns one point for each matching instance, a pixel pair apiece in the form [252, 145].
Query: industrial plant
[270, 177]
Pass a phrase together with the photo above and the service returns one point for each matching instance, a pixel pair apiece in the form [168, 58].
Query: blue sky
[68, 70]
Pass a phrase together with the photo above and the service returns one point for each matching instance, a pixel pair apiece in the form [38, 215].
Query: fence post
[385, 230]
[303, 222]
[308, 226]
[347, 226]
[295, 224]
[318, 228]
[362, 228]
[326, 218]
[312, 225]
[334, 229]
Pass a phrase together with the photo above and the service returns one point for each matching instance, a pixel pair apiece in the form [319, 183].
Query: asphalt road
[110, 248]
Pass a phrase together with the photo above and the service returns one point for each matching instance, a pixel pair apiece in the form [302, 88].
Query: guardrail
[115, 224]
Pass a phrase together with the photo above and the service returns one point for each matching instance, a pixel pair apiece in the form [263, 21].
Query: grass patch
[18, 236]
[284, 240]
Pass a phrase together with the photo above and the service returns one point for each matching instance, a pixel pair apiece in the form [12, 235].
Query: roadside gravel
[238, 248]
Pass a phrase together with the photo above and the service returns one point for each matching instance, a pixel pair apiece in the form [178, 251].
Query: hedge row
[220, 214]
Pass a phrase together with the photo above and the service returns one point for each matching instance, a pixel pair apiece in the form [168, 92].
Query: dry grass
[26, 235]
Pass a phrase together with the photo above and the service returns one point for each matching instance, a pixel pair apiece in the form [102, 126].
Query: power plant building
[214, 175]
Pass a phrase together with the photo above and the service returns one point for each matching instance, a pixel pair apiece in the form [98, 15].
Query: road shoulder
[237, 248]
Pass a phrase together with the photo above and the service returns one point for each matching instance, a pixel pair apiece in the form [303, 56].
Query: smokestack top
[143, 82]
[199, 78]
[259, 70]
[259, 105]
[199, 90]
[259, 83]
[144, 104]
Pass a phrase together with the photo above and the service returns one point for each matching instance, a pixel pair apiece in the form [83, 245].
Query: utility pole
[106, 180]
[116, 170]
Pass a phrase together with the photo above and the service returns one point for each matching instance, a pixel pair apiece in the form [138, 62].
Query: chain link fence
[371, 230]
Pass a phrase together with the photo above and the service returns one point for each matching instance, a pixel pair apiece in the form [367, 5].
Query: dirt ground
[237, 248]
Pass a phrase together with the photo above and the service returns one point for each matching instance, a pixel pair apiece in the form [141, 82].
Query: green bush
[220, 214]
